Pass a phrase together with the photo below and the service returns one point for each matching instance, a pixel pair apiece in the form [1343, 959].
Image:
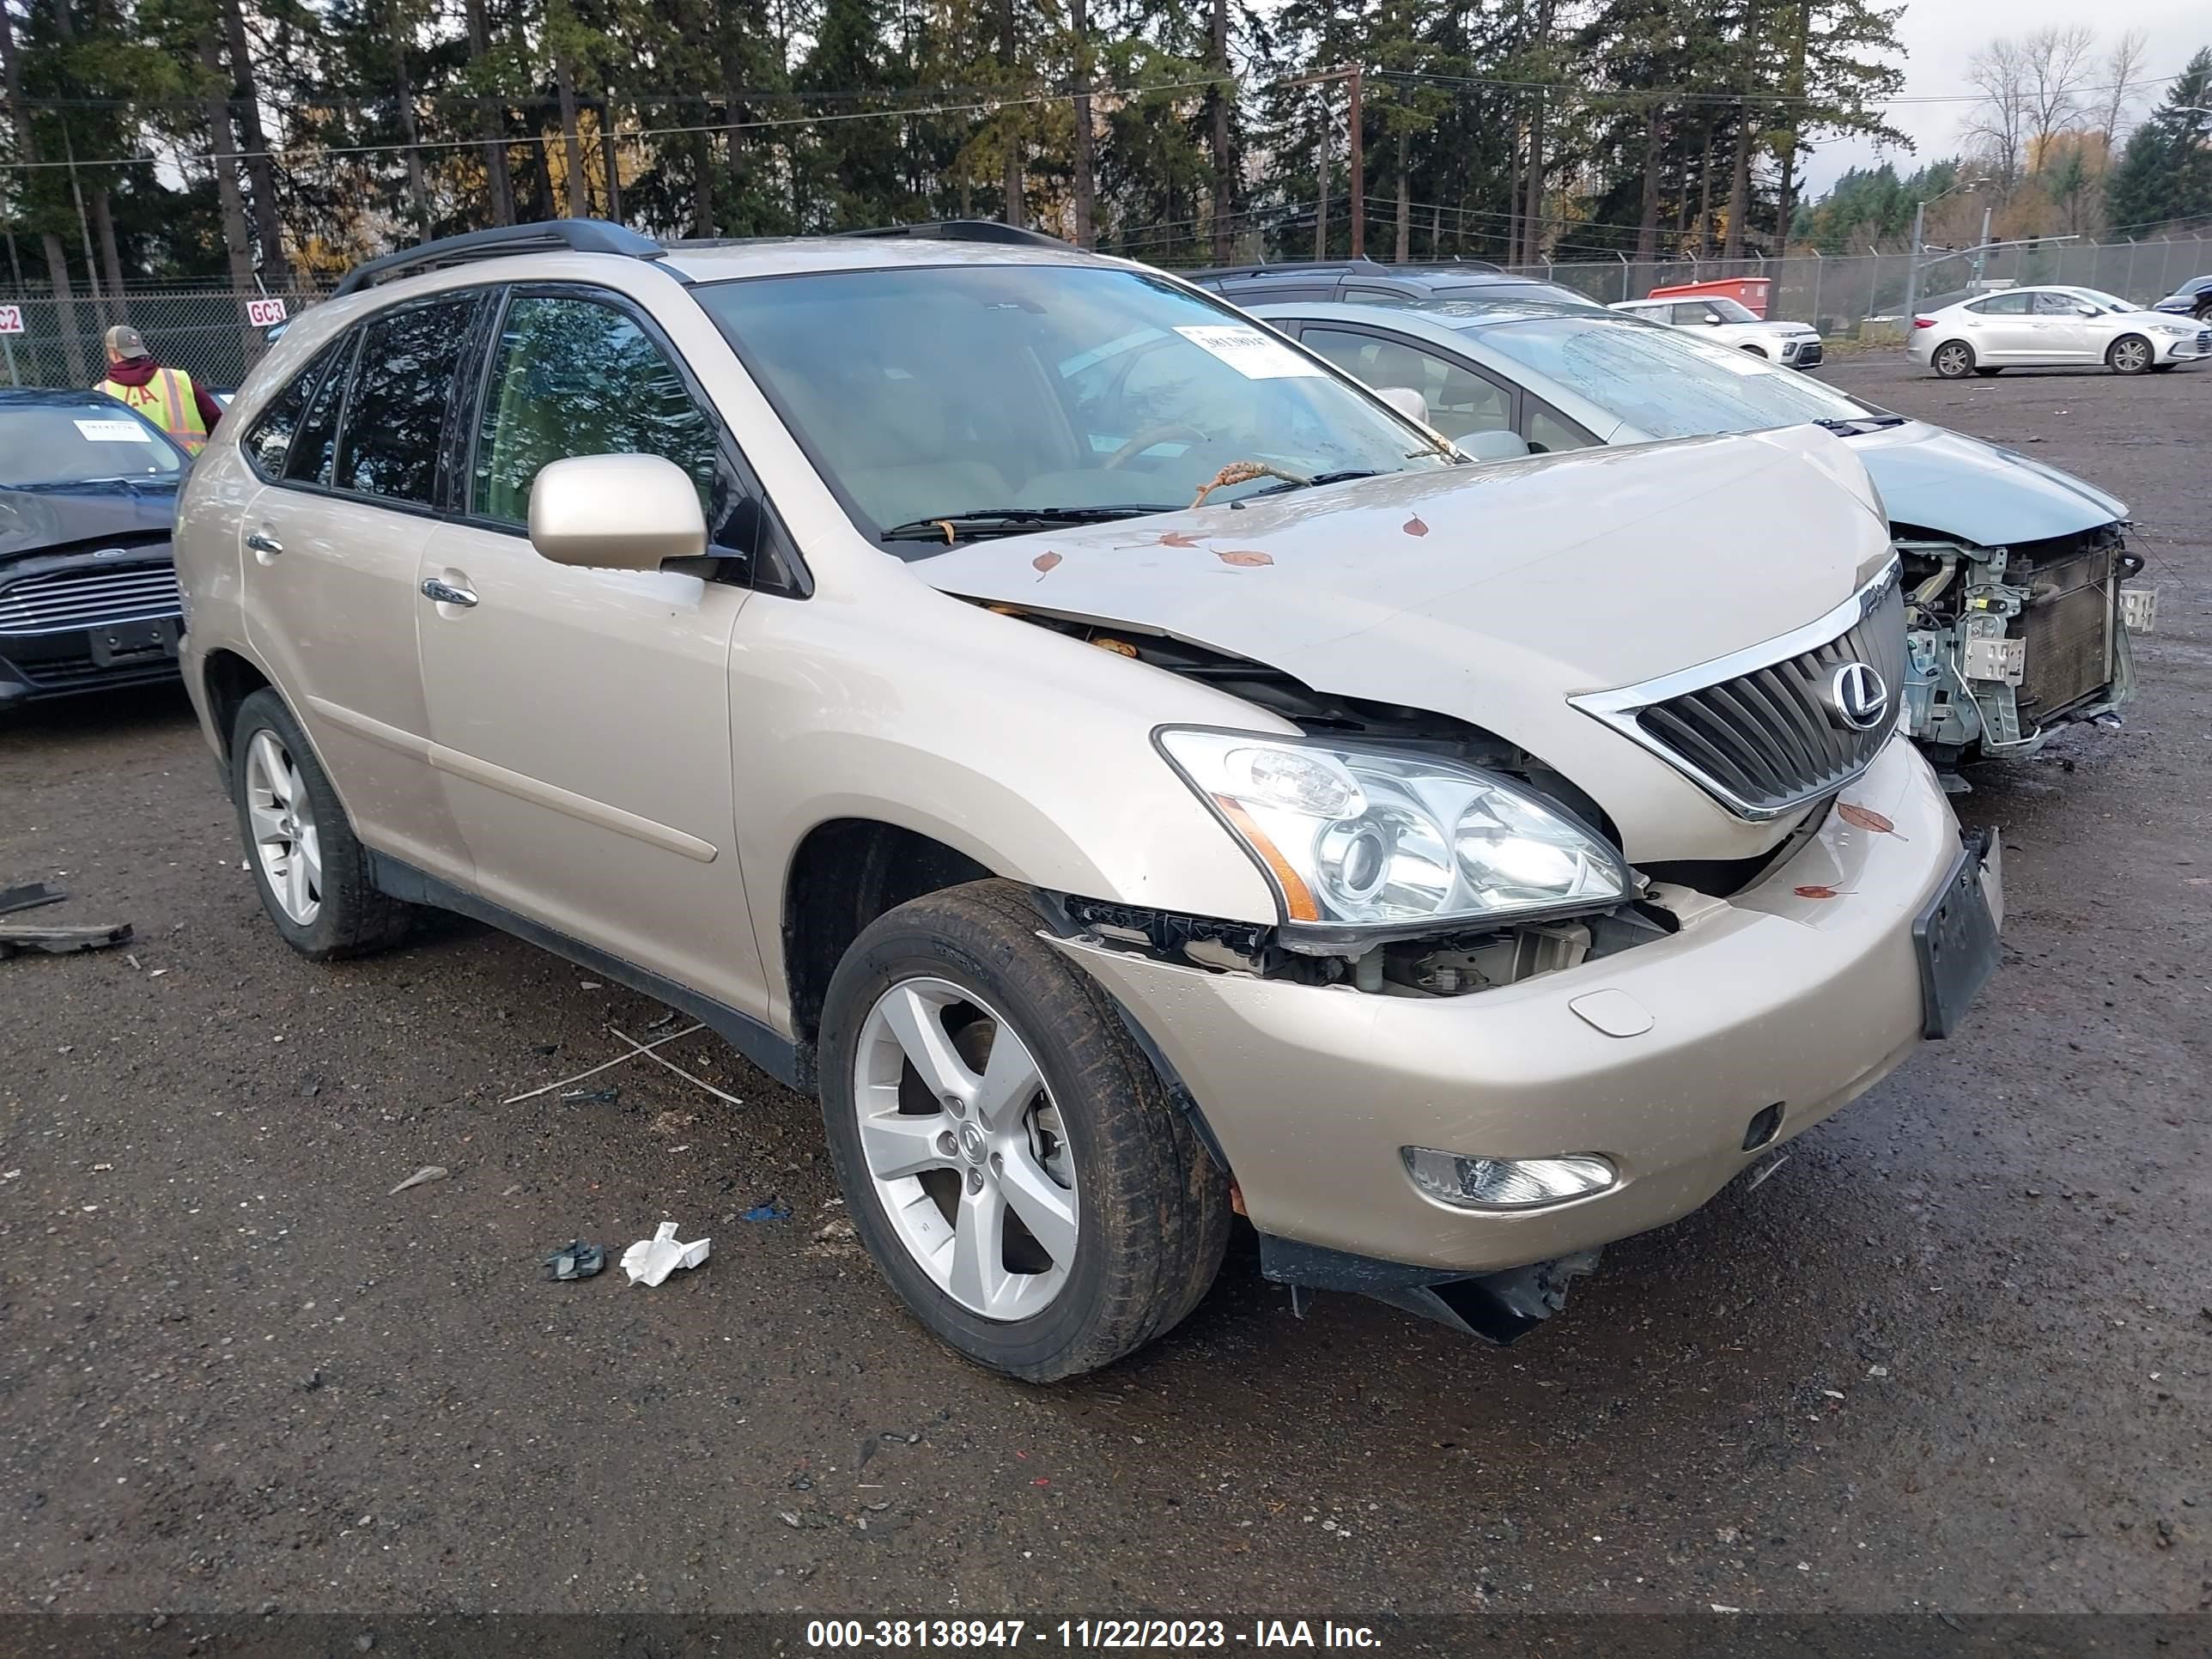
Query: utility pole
[1350, 74]
[1982, 247]
[1912, 261]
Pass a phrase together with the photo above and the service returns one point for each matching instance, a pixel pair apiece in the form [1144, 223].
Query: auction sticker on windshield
[1248, 351]
[114, 432]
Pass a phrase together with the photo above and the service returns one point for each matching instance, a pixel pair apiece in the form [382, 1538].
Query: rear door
[582, 717]
[331, 547]
[2000, 329]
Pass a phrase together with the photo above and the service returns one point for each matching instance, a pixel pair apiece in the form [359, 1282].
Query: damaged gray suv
[1132, 772]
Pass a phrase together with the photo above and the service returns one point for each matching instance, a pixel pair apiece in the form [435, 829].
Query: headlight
[1359, 838]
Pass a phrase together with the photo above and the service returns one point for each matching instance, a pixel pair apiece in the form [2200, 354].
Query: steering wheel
[1151, 435]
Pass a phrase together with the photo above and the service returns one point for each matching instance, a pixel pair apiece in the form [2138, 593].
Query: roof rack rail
[967, 230]
[574, 235]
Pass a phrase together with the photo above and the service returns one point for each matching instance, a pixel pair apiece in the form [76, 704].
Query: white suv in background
[1732, 323]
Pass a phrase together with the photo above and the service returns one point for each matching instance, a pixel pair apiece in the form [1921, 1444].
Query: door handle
[262, 542]
[446, 593]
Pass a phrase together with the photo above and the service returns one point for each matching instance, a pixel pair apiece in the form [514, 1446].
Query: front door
[2000, 329]
[2062, 333]
[581, 719]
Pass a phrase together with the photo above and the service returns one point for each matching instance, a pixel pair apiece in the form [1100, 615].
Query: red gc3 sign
[264, 313]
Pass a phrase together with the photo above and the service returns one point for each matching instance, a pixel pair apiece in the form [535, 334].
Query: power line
[312, 151]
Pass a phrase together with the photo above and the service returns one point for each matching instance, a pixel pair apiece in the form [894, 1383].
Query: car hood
[1957, 486]
[39, 520]
[1492, 592]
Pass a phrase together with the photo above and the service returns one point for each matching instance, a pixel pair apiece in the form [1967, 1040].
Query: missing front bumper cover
[1496, 1306]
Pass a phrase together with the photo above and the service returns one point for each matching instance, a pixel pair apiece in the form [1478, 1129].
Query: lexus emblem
[1859, 697]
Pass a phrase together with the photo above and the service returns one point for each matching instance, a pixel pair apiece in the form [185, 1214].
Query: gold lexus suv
[1131, 772]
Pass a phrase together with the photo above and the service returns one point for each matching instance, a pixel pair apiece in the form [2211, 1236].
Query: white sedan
[1730, 322]
[2052, 328]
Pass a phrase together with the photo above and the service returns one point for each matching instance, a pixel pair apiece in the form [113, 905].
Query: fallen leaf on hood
[1413, 526]
[945, 525]
[1867, 819]
[1045, 563]
[1176, 538]
[1818, 892]
[1235, 556]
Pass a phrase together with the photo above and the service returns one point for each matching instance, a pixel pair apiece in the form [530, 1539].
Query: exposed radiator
[2069, 630]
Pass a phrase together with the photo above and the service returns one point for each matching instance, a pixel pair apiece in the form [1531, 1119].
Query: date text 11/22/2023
[1168, 1635]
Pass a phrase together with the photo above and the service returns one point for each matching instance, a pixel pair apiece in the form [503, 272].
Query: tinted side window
[2056, 305]
[402, 388]
[576, 377]
[2002, 305]
[315, 445]
[269, 438]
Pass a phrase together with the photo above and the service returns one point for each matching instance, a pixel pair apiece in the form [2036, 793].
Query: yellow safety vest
[168, 401]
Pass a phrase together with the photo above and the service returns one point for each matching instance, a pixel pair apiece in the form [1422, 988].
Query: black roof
[1456, 269]
[52, 395]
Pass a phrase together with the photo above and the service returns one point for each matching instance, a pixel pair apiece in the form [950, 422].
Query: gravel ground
[1954, 1354]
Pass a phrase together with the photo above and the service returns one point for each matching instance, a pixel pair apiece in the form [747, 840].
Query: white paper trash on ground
[651, 1260]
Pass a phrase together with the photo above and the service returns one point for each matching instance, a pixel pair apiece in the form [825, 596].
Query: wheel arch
[227, 679]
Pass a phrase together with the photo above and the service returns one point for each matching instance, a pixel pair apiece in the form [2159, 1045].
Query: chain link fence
[210, 335]
[1836, 294]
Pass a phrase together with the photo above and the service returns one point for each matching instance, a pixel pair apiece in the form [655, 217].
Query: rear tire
[1133, 1231]
[312, 872]
[2130, 354]
[1953, 361]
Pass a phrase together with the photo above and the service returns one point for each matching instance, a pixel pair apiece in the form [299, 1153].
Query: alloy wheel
[2130, 356]
[966, 1148]
[1953, 361]
[282, 821]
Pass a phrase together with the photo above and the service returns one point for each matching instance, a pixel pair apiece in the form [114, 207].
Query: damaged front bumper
[1678, 1061]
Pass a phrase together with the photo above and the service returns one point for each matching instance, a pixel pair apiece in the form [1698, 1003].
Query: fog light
[1505, 1183]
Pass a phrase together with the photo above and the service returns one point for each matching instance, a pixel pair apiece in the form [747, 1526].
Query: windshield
[1670, 384]
[927, 394]
[96, 441]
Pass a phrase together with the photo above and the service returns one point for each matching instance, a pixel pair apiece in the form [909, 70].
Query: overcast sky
[1940, 36]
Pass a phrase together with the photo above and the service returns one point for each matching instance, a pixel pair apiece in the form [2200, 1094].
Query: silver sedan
[2052, 328]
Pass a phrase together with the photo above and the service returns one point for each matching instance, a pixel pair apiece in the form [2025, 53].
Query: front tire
[1953, 361]
[312, 872]
[1007, 1154]
[2130, 354]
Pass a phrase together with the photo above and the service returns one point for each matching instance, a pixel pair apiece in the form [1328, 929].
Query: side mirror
[1492, 446]
[616, 513]
[2085, 311]
[1711, 319]
[1407, 401]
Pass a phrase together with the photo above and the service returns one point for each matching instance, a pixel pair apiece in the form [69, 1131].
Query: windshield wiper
[1013, 522]
[1344, 477]
[1861, 424]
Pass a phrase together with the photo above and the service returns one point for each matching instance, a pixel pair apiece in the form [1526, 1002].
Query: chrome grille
[1760, 730]
[64, 601]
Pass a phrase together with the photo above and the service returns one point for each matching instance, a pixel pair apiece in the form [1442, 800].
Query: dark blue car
[87, 594]
[2192, 299]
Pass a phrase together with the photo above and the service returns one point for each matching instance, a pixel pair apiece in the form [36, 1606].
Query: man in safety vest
[165, 397]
